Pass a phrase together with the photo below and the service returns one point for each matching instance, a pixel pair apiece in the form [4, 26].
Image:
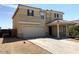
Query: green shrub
[74, 31]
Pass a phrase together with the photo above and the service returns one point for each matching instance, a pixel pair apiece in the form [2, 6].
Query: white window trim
[30, 11]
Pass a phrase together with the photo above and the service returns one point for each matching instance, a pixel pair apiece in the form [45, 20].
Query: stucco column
[58, 36]
[67, 33]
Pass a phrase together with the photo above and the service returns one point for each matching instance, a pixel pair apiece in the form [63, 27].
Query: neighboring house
[35, 22]
[77, 22]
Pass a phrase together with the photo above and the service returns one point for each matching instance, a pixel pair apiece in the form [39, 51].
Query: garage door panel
[33, 31]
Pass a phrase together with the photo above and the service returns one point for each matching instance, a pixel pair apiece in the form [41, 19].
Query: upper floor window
[30, 12]
[42, 15]
[55, 15]
[60, 16]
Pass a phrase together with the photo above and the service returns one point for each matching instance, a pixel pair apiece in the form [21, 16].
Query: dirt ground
[19, 46]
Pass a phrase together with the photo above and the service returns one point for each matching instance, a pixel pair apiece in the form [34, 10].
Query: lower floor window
[63, 29]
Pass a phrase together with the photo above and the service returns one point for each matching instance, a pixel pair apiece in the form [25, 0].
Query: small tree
[71, 31]
[74, 31]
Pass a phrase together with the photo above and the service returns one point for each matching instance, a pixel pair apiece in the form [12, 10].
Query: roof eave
[15, 11]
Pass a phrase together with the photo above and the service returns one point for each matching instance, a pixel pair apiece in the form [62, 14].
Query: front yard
[39, 46]
[13, 46]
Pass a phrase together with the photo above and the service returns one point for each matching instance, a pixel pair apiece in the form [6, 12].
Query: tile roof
[61, 22]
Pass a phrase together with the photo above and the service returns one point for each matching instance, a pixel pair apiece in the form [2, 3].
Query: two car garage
[32, 31]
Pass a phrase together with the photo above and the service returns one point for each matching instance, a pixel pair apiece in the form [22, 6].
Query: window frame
[55, 15]
[42, 14]
[30, 13]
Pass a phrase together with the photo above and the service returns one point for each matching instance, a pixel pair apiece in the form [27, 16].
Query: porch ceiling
[61, 22]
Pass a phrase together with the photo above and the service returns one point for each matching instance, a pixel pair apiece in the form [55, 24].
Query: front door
[50, 30]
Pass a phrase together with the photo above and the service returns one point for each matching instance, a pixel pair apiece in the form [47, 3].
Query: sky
[71, 12]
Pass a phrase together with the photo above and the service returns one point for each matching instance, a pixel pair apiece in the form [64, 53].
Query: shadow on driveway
[12, 39]
[9, 40]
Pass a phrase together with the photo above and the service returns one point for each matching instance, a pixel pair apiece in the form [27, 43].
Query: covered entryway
[50, 30]
[62, 31]
[60, 28]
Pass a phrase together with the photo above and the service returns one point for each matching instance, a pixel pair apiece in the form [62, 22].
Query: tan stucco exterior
[34, 26]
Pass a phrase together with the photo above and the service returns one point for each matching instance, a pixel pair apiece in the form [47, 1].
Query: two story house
[35, 22]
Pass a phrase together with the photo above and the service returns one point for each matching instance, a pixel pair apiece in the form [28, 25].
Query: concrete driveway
[57, 46]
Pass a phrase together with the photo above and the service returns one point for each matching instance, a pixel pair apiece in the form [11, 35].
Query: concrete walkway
[57, 46]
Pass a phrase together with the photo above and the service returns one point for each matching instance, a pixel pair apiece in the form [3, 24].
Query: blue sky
[71, 12]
